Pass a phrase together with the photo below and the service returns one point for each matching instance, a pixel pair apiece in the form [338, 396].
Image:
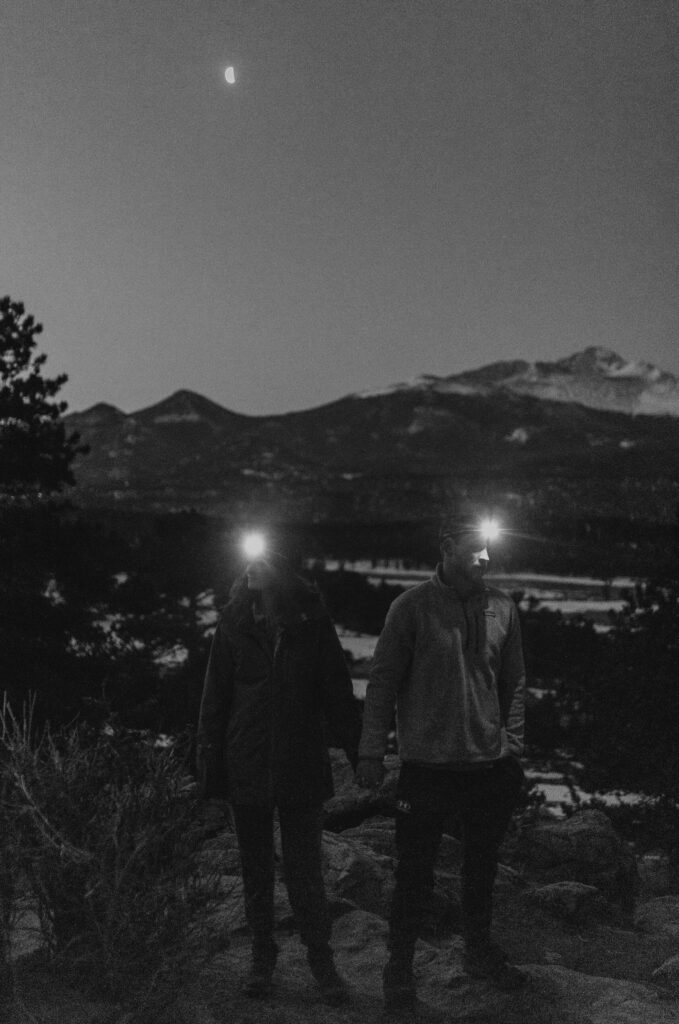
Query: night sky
[390, 188]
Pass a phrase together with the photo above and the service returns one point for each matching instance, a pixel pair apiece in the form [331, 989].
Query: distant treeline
[603, 546]
[103, 620]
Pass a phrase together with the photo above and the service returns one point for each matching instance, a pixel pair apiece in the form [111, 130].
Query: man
[277, 677]
[450, 660]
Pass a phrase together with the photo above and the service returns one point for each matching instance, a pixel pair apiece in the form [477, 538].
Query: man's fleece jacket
[454, 671]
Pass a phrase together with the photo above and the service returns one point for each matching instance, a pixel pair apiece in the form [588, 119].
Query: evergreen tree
[35, 451]
[37, 625]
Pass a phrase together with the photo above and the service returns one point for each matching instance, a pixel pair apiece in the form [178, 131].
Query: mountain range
[592, 432]
[597, 378]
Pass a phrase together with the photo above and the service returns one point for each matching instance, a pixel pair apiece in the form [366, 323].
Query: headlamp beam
[489, 529]
[254, 545]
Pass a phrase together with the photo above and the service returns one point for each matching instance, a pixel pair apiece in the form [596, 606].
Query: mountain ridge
[397, 452]
[596, 377]
[594, 364]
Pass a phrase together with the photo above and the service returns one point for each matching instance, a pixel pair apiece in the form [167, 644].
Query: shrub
[8, 887]
[107, 828]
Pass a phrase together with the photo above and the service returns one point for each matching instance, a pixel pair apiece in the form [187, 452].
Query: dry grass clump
[103, 832]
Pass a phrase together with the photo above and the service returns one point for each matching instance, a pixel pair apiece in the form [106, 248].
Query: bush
[108, 834]
[8, 887]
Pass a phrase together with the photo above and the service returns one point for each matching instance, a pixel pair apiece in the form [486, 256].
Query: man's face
[465, 555]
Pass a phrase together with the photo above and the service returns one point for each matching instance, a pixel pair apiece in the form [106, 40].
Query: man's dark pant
[301, 831]
[483, 800]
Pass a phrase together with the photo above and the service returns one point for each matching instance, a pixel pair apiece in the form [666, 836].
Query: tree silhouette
[38, 626]
[35, 451]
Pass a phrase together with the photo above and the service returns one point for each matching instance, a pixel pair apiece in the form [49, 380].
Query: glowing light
[230, 75]
[489, 530]
[254, 545]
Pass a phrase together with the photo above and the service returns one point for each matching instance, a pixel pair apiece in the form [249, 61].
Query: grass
[102, 834]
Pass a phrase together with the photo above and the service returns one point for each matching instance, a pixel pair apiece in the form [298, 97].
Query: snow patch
[392, 389]
[633, 369]
[658, 402]
[178, 417]
[587, 607]
[451, 387]
[518, 436]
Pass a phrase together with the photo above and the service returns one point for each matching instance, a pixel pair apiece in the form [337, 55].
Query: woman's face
[259, 574]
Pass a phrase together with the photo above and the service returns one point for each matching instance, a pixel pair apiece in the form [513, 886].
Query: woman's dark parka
[271, 701]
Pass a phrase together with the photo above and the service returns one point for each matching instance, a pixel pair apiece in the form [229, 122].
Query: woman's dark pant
[482, 799]
[301, 832]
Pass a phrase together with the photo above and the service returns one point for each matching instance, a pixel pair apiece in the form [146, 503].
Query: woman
[276, 680]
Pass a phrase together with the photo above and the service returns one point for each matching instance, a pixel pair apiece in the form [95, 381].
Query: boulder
[554, 995]
[659, 915]
[351, 805]
[667, 974]
[584, 848]
[378, 834]
[654, 873]
[353, 872]
[570, 901]
[590, 999]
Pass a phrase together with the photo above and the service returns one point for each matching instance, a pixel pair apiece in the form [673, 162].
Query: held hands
[370, 773]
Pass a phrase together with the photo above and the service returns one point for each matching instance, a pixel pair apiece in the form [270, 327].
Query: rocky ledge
[596, 930]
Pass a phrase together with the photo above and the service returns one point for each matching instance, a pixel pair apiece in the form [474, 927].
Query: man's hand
[370, 773]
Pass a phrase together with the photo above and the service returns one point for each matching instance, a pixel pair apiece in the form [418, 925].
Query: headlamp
[489, 530]
[253, 545]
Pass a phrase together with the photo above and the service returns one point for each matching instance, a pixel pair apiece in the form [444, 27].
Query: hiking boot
[398, 986]
[257, 984]
[489, 961]
[333, 988]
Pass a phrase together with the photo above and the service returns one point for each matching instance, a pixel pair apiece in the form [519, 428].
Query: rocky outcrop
[353, 872]
[554, 995]
[550, 913]
[350, 805]
[667, 975]
[659, 915]
[571, 901]
[584, 848]
[358, 869]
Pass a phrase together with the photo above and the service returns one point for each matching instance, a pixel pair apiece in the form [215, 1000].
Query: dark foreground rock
[584, 848]
[660, 914]
[350, 805]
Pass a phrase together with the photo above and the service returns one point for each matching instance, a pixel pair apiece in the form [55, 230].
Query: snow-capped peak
[596, 377]
[604, 362]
